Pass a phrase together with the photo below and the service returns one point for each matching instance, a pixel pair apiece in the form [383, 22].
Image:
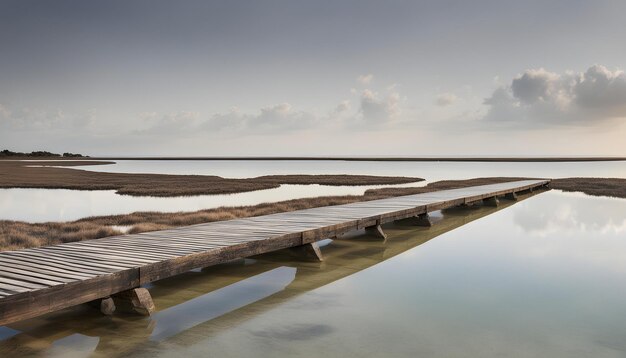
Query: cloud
[540, 96]
[281, 117]
[365, 79]
[377, 109]
[36, 119]
[172, 123]
[343, 107]
[445, 99]
[277, 118]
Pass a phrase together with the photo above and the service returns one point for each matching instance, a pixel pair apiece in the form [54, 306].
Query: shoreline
[383, 159]
[343, 158]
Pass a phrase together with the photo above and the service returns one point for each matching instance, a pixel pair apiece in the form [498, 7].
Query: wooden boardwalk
[41, 280]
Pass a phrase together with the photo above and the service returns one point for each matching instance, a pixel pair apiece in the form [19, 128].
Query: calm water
[540, 278]
[38, 205]
[430, 171]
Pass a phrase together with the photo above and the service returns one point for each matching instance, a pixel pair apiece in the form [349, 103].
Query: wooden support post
[136, 300]
[310, 251]
[423, 220]
[313, 250]
[376, 230]
[511, 196]
[105, 305]
[492, 201]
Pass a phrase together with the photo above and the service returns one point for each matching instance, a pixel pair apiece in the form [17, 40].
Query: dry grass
[612, 187]
[16, 235]
[16, 174]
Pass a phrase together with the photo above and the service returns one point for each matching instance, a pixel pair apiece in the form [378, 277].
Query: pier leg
[310, 251]
[511, 196]
[492, 201]
[423, 220]
[136, 300]
[376, 230]
[105, 305]
[313, 250]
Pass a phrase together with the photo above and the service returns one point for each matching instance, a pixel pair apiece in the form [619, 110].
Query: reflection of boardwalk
[37, 281]
[219, 288]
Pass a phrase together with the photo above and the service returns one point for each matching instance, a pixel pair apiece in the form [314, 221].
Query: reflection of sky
[74, 346]
[211, 305]
[487, 289]
[567, 215]
[38, 205]
[498, 286]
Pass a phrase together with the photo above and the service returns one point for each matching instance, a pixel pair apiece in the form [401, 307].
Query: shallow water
[39, 205]
[430, 171]
[543, 277]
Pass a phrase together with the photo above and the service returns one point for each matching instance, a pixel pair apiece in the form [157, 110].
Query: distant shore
[387, 159]
[347, 159]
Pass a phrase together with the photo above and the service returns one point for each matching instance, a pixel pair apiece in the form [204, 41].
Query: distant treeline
[39, 153]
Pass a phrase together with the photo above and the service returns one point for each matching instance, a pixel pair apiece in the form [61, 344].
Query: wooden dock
[41, 280]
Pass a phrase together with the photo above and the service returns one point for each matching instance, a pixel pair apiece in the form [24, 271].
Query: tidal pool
[543, 277]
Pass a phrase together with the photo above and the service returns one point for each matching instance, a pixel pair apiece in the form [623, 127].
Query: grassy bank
[16, 235]
[49, 175]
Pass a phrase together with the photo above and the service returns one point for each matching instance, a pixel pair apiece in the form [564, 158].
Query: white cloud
[35, 119]
[280, 117]
[343, 107]
[277, 118]
[446, 99]
[172, 123]
[540, 96]
[377, 109]
[365, 79]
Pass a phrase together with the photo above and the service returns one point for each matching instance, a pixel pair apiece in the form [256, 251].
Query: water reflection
[40, 205]
[561, 212]
[490, 287]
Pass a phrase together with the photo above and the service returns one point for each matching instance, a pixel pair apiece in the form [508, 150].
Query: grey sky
[313, 77]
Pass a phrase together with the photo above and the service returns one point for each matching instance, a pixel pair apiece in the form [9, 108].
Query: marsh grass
[48, 175]
[16, 235]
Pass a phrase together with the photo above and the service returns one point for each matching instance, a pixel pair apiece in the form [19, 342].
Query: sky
[307, 78]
